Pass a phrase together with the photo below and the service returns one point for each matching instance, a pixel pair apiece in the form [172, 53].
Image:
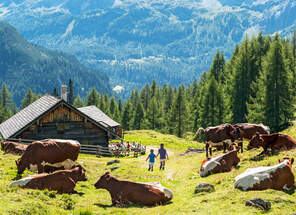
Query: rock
[113, 161]
[204, 187]
[191, 151]
[114, 168]
[259, 203]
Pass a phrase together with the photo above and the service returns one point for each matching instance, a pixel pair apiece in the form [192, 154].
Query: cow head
[232, 131]
[20, 166]
[290, 163]
[81, 175]
[256, 141]
[103, 181]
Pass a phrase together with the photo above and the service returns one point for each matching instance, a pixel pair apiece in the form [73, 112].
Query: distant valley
[134, 42]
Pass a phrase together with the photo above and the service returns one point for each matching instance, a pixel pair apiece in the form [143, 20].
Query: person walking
[163, 156]
[151, 158]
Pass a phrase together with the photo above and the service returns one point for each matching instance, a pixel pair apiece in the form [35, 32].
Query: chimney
[64, 92]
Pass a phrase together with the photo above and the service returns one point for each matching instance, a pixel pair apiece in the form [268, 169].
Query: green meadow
[181, 176]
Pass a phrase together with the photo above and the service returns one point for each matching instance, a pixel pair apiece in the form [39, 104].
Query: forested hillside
[256, 85]
[134, 42]
[24, 65]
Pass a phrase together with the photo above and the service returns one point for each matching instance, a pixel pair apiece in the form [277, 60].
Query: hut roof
[98, 115]
[40, 107]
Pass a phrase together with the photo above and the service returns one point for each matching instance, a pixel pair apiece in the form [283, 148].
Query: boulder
[259, 203]
[191, 151]
[204, 187]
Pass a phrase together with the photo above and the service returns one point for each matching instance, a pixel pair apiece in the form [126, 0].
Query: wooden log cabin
[53, 118]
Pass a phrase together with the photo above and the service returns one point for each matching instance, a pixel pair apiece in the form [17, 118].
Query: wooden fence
[97, 150]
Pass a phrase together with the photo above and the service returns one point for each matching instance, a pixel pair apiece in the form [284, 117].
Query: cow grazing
[219, 163]
[125, 192]
[13, 148]
[49, 152]
[247, 130]
[272, 141]
[278, 177]
[219, 136]
[62, 181]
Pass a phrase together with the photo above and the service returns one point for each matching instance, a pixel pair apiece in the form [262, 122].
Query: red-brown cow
[272, 141]
[220, 163]
[49, 152]
[278, 177]
[125, 192]
[247, 130]
[219, 136]
[13, 148]
[62, 181]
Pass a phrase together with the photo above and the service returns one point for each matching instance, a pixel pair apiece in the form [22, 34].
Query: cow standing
[49, 152]
[13, 148]
[247, 130]
[219, 136]
[271, 141]
[277, 177]
[125, 192]
[220, 163]
[62, 181]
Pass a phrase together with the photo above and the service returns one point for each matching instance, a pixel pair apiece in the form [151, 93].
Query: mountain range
[24, 65]
[136, 41]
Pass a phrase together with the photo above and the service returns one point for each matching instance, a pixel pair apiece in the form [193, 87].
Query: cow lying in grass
[125, 192]
[277, 177]
[62, 181]
[274, 142]
[49, 152]
[220, 163]
[13, 148]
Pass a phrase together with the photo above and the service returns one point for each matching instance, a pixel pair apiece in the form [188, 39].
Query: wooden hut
[50, 117]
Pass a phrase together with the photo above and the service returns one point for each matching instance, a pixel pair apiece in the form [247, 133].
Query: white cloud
[252, 31]
[118, 89]
[211, 4]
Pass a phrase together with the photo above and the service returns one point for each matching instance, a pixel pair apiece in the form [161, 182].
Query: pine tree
[92, 97]
[71, 96]
[138, 116]
[178, 113]
[126, 116]
[78, 102]
[6, 98]
[278, 98]
[29, 98]
[153, 113]
[217, 67]
[55, 92]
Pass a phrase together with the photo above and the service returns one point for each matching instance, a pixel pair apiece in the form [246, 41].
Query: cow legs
[211, 151]
[240, 144]
[207, 150]
[224, 147]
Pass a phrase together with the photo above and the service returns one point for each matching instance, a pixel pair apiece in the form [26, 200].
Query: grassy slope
[180, 176]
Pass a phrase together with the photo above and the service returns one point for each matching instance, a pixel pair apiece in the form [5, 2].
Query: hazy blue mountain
[135, 41]
[24, 65]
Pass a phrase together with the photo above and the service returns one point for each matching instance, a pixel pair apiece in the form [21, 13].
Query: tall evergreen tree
[55, 92]
[126, 116]
[92, 97]
[29, 98]
[138, 115]
[71, 96]
[78, 102]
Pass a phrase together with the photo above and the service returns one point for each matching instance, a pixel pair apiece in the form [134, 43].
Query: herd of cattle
[58, 170]
[278, 177]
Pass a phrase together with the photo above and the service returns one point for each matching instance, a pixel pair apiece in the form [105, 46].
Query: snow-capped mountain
[135, 41]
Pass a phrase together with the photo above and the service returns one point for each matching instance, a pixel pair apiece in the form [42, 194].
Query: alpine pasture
[180, 175]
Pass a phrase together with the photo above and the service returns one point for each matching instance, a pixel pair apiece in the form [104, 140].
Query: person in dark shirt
[151, 158]
[163, 156]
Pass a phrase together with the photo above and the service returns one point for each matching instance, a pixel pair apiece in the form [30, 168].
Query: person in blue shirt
[151, 158]
[163, 156]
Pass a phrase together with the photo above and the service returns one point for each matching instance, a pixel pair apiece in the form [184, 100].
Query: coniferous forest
[257, 85]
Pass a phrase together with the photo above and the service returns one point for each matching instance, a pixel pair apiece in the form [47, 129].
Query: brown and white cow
[277, 177]
[125, 192]
[220, 163]
[50, 152]
[62, 181]
[274, 142]
[13, 148]
[248, 130]
[219, 136]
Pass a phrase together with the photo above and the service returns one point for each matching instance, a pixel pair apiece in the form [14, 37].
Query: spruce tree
[92, 97]
[126, 116]
[28, 99]
[71, 96]
[55, 92]
[138, 115]
[78, 102]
